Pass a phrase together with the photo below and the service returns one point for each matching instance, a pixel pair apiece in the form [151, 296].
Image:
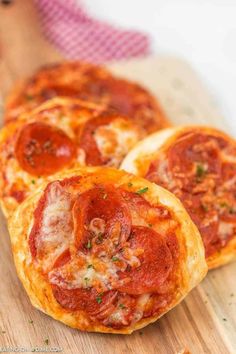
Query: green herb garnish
[90, 266]
[99, 238]
[115, 259]
[86, 280]
[231, 210]
[204, 207]
[99, 298]
[130, 184]
[143, 190]
[122, 306]
[89, 245]
[200, 171]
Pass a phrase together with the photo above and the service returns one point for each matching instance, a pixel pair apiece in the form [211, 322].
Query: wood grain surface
[205, 322]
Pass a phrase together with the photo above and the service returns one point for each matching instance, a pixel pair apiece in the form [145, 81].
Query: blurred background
[201, 31]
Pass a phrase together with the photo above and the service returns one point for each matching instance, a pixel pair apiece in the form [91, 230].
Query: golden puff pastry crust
[61, 133]
[197, 164]
[91, 83]
[102, 250]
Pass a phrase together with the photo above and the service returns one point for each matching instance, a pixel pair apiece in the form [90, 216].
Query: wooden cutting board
[205, 322]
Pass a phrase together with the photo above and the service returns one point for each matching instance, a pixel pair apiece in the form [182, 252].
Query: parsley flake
[122, 306]
[130, 184]
[143, 190]
[204, 207]
[89, 245]
[200, 171]
[115, 259]
[99, 299]
[90, 266]
[86, 280]
[99, 238]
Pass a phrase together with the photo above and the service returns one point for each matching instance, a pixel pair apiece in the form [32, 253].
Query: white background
[201, 31]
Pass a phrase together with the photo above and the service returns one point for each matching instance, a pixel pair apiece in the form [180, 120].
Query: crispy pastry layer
[198, 165]
[102, 250]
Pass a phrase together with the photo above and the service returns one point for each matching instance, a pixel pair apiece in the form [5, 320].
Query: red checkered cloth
[78, 36]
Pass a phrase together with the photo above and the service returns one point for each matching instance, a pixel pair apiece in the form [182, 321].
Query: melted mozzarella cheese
[56, 118]
[227, 156]
[97, 226]
[118, 316]
[56, 230]
[17, 177]
[226, 229]
[115, 140]
[83, 272]
[164, 175]
[230, 183]
[140, 307]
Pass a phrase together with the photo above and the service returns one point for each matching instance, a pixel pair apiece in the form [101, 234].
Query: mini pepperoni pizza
[60, 134]
[197, 164]
[87, 82]
[102, 250]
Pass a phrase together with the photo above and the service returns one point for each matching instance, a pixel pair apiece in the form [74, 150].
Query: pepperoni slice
[18, 195]
[143, 209]
[43, 150]
[57, 90]
[156, 262]
[95, 304]
[64, 258]
[88, 142]
[126, 98]
[99, 214]
[197, 148]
